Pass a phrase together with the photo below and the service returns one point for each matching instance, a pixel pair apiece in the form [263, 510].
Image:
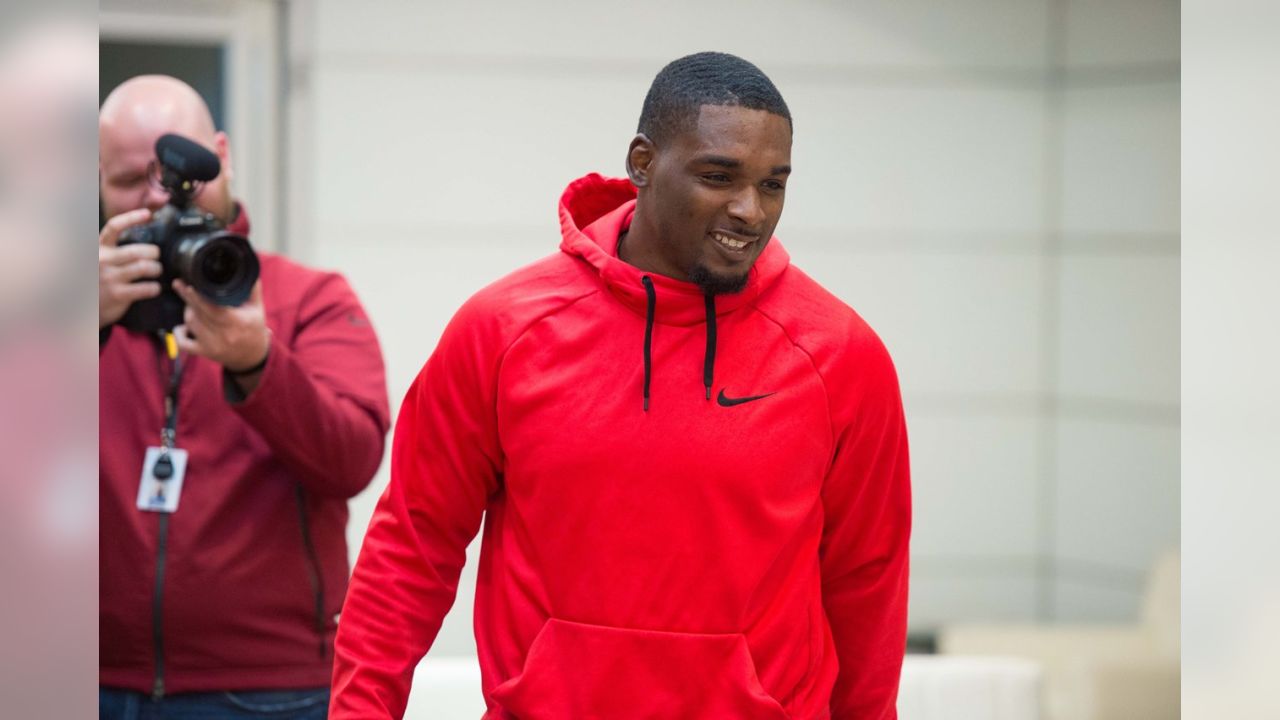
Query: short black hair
[707, 78]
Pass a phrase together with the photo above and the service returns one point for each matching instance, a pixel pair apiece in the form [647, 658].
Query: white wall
[1116, 423]
[992, 184]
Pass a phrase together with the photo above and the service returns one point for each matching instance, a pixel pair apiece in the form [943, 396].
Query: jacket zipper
[313, 567]
[169, 436]
[157, 632]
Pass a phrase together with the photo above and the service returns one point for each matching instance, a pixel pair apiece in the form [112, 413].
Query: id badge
[161, 483]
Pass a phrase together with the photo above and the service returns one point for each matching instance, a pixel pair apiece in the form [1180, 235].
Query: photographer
[228, 447]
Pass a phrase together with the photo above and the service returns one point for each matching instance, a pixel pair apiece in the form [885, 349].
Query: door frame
[253, 34]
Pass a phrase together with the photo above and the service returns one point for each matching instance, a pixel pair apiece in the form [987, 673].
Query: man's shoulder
[289, 274]
[812, 315]
[289, 286]
[515, 301]
[848, 355]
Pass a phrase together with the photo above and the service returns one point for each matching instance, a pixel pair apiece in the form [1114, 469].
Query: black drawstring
[709, 364]
[648, 336]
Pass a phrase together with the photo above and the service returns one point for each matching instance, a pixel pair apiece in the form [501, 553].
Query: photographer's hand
[235, 337]
[119, 267]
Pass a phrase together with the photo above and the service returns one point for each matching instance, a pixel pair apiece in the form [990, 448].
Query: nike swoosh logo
[726, 401]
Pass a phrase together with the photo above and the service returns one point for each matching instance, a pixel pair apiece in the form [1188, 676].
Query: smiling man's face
[715, 193]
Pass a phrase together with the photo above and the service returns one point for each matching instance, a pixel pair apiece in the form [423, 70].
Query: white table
[934, 687]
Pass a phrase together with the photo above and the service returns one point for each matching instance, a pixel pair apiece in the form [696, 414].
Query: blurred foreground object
[48, 524]
[1098, 672]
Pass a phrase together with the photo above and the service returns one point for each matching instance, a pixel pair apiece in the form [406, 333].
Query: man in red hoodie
[690, 459]
[220, 599]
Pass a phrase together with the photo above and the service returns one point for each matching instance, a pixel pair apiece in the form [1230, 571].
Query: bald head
[130, 121]
[157, 104]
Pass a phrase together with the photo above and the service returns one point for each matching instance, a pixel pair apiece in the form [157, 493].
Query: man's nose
[747, 209]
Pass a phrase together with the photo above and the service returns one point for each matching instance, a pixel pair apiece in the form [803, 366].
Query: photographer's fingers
[121, 265]
[135, 291]
[110, 233]
[138, 269]
[206, 311]
[187, 338]
[186, 344]
[128, 254]
[121, 272]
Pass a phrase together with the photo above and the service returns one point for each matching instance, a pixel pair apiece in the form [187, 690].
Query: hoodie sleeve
[445, 464]
[867, 508]
[321, 403]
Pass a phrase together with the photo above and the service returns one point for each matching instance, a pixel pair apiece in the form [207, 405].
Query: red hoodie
[254, 561]
[737, 550]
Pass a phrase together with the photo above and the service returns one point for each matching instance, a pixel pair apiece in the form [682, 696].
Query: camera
[194, 246]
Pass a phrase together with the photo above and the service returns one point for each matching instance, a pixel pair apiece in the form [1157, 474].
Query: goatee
[714, 284]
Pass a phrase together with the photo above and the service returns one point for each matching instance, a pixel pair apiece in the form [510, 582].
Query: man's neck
[638, 248]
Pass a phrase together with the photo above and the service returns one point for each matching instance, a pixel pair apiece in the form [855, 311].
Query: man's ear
[223, 149]
[640, 157]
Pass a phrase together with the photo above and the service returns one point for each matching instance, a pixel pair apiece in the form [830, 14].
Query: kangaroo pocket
[591, 671]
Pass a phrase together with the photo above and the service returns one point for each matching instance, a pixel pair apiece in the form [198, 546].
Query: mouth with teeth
[731, 244]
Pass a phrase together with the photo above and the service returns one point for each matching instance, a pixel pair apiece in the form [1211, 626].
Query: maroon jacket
[254, 563]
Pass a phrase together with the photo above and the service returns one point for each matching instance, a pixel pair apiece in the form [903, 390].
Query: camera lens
[220, 266]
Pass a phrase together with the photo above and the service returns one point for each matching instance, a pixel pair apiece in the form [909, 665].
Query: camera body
[194, 246]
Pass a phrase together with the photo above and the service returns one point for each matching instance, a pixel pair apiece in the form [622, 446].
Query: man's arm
[445, 465]
[867, 505]
[320, 401]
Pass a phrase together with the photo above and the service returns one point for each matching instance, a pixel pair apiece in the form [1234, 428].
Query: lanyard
[163, 469]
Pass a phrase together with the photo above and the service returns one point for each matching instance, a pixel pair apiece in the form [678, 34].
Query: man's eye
[716, 178]
[774, 185]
